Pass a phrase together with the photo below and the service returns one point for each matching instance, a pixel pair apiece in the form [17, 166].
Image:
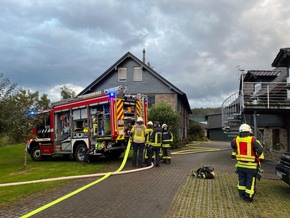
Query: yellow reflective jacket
[245, 151]
[138, 133]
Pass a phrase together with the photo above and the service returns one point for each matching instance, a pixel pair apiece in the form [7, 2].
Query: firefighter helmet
[139, 119]
[164, 126]
[245, 128]
[150, 123]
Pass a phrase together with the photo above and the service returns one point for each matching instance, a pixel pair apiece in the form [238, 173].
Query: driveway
[147, 193]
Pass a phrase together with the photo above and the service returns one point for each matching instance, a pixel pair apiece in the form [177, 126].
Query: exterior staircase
[232, 109]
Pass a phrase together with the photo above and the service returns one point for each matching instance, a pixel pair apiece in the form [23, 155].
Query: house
[263, 101]
[214, 128]
[140, 78]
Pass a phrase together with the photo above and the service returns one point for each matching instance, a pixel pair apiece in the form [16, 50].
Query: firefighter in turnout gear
[156, 141]
[247, 149]
[148, 144]
[138, 133]
[167, 139]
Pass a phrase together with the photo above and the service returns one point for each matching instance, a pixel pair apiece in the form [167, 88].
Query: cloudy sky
[195, 44]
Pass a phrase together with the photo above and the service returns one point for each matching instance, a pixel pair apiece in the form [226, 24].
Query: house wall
[150, 85]
[266, 123]
[219, 135]
[283, 139]
[214, 128]
[170, 99]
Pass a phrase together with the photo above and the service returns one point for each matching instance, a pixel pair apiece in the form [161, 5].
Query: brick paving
[147, 193]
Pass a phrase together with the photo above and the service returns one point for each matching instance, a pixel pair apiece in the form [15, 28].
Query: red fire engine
[94, 124]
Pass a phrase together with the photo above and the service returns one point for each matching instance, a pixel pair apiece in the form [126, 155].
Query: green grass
[12, 170]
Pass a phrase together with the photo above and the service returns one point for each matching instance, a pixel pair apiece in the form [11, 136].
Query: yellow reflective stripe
[252, 190]
[242, 188]
[166, 145]
[245, 158]
[248, 156]
[247, 165]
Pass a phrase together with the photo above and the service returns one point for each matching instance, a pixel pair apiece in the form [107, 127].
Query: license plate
[279, 174]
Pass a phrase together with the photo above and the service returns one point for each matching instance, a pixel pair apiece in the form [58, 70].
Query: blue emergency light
[32, 112]
[112, 94]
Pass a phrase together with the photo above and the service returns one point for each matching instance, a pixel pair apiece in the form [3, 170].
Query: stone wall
[169, 99]
[270, 152]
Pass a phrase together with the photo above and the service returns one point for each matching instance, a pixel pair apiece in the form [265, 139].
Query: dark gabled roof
[282, 59]
[260, 73]
[144, 65]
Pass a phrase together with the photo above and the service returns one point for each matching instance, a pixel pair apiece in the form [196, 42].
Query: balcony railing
[266, 95]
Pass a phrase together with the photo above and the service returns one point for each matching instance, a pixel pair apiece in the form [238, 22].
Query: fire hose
[105, 175]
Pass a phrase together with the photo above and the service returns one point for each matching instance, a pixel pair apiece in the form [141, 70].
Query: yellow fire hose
[82, 188]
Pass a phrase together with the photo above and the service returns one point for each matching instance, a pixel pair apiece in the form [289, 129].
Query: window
[276, 139]
[137, 76]
[151, 101]
[122, 74]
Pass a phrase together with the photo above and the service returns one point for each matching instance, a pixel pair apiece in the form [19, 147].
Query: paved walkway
[142, 194]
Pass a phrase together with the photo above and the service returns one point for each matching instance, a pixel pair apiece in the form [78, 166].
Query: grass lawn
[12, 169]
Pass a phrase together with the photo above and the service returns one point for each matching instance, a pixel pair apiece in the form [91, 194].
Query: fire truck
[93, 124]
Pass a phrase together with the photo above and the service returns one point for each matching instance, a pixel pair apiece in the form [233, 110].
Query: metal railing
[230, 108]
[270, 95]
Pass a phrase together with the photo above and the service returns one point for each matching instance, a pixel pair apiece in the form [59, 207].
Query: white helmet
[164, 126]
[139, 119]
[245, 128]
[150, 123]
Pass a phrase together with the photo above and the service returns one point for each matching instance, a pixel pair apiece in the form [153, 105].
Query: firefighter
[138, 133]
[247, 149]
[148, 145]
[167, 139]
[156, 141]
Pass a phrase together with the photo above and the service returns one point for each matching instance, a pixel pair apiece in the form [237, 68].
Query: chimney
[144, 59]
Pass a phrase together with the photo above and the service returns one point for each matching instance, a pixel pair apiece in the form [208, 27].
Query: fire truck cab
[94, 124]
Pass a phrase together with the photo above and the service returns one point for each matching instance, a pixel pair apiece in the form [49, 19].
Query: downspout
[255, 123]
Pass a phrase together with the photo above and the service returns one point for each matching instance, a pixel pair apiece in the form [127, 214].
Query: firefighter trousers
[156, 153]
[166, 155]
[148, 154]
[138, 149]
[247, 183]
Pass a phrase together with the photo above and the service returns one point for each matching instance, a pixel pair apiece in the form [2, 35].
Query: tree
[202, 112]
[165, 114]
[21, 120]
[66, 93]
[6, 90]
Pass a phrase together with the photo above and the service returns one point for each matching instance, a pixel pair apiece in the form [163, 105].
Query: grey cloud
[196, 45]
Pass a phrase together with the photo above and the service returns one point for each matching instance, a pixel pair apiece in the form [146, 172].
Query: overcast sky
[195, 44]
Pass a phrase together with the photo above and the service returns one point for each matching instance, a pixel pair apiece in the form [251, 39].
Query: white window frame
[122, 74]
[137, 75]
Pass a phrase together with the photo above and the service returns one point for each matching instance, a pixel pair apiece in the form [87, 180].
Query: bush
[196, 133]
[165, 114]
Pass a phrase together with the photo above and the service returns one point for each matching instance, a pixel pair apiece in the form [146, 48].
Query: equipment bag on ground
[204, 172]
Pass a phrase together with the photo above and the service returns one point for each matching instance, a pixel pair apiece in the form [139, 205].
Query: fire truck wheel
[36, 153]
[80, 152]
